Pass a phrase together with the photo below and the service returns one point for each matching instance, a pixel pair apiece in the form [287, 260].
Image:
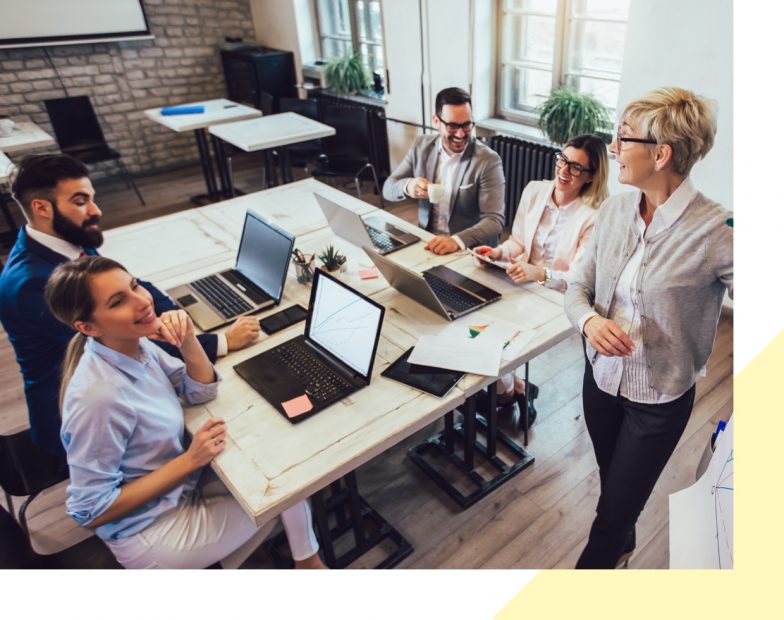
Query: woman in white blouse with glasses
[553, 223]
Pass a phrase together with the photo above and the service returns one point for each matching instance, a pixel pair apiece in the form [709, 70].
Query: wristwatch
[548, 275]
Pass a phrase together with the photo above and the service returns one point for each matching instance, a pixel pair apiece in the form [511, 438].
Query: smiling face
[635, 161]
[455, 140]
[123, 312]
[75, 216]
[565, 181]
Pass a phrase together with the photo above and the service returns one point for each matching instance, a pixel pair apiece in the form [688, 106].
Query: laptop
[332, 359]
[256, 282]
[441, 289]
[373, 232]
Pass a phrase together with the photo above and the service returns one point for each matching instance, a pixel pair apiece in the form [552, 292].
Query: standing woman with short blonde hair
[647, 296]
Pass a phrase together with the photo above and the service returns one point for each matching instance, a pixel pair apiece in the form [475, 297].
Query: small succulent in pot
[331, 258]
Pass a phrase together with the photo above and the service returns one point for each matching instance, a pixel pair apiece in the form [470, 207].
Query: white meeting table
[269, 464]
[269, 132]
[25, 136]
[216, 111]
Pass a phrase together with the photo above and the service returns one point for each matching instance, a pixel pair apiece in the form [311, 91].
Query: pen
[233, 105]
[508, 342]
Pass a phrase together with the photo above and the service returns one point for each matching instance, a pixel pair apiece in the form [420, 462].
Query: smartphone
[283, 319]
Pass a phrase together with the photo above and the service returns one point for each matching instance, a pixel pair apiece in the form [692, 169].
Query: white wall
[686, 44]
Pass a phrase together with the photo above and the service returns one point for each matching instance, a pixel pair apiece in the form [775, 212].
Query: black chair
[79, 134]
[27, 470]
[303, 153]
[348, 152]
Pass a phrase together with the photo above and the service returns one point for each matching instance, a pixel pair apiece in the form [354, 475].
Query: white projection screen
[28, 23]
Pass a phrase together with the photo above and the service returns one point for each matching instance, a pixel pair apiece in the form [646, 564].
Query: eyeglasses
[575, 169]
[453, 127]
[619, 139]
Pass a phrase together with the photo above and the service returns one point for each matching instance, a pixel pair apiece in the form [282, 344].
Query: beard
[78, 235]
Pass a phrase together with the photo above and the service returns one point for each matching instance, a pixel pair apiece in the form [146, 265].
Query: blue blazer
[40, 340]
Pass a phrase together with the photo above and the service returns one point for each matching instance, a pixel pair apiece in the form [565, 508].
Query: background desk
[269, 132]
[216, 111]
[270, 464]
[25, 136]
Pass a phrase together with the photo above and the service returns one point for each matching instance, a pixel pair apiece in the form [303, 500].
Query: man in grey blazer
[470, 211]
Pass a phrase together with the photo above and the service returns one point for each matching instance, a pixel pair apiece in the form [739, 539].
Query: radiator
[523, 162]
[379, 143]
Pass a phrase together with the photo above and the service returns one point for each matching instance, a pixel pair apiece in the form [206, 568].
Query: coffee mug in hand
[6, 126]
[435, 191]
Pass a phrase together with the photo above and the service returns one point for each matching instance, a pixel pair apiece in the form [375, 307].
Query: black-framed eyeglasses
[453, 127]
[574, 168]
[619, 139]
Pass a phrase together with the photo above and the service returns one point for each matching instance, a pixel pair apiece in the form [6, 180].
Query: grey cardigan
[476, 204]
[685, 270]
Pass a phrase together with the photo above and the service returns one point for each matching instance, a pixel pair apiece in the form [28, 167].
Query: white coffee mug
[435, 191]
[6, 126]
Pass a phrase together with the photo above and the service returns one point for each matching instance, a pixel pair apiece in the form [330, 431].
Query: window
[352, 25]
[545, 44]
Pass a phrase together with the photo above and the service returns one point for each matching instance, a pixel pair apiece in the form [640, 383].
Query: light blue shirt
[122, 419]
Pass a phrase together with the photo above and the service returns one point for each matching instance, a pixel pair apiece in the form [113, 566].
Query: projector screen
[27, 23]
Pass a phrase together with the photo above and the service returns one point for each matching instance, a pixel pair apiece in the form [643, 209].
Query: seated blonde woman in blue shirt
[132, 478]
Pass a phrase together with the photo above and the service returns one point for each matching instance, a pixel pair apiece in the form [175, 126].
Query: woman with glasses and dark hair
[553, 223]
[134, 478]
[647, 296]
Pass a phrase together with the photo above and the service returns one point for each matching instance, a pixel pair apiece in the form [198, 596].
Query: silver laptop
[373, 232]
[256, 282]
[443, 290]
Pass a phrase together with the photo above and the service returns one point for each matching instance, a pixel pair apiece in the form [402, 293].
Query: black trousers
[632, 443]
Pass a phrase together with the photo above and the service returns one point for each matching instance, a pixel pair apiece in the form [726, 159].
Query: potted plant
[331, 258]
[347, 74]
[567, 113]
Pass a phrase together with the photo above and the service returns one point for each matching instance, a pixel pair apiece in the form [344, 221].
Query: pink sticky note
[368, 274]
[297, 406]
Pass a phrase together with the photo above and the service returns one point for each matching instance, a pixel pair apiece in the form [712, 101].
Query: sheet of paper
[479, 325]
[297, 406]
[481, 356]
[701, 516]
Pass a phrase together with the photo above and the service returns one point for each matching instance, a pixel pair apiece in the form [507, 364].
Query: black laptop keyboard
[321, 382]
[221, 296]
[449, 294]
[381, 239]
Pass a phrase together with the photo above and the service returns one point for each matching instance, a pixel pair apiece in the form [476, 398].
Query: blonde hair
[70, 299]
[679, 118]
[595, 192]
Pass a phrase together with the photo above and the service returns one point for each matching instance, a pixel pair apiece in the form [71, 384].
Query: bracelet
[548, 275]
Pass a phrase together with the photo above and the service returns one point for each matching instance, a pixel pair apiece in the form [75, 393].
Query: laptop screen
[344, 323]
[264, 254]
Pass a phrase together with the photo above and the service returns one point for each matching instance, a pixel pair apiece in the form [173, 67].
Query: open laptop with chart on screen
[332, 359]
[256, 281]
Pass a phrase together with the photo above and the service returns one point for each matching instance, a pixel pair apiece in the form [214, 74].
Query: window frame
[561, 54]
[356, 41]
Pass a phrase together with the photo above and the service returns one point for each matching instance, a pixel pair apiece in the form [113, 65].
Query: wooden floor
[538, 520]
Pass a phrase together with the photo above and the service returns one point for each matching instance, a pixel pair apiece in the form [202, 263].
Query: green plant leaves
[347, 74]
[567, 113]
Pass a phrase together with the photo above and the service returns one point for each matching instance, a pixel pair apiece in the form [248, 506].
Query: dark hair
[38, 175]
[595, 192]
[451, 96]
[70, 299]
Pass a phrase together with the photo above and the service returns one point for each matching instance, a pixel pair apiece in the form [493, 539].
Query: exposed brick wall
[180, 65]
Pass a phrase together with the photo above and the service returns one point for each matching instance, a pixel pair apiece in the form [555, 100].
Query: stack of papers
[477, 343]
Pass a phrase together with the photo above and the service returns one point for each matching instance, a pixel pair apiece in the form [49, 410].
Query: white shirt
[545, 242]
[446, 173]
[72, 252]
[629, 376]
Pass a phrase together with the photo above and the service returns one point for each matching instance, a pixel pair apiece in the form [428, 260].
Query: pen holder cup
[304, 271]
